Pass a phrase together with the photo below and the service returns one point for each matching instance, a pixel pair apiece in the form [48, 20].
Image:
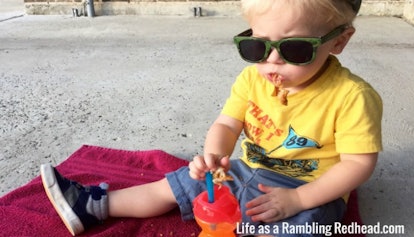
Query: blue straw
[210, 187]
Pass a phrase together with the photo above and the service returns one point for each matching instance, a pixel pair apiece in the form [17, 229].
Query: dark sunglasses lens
[252, 50]
[296, 51]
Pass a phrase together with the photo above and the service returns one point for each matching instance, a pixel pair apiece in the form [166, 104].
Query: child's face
[281, 22]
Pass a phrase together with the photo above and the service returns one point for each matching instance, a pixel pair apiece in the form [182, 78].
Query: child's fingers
[225, 163]
[211, 161]
[202, 164]
[199, 162]
[198, 168]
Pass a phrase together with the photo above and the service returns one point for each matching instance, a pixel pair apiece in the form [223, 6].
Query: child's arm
[279, 203]
[345, 176]
[220, 141]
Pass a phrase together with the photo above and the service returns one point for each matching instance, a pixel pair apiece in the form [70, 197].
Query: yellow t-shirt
[338, 113]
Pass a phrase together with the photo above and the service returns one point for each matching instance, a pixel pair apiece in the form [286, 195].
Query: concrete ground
[143, 83]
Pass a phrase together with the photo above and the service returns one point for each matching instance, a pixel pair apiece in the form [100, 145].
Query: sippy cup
[218, 218]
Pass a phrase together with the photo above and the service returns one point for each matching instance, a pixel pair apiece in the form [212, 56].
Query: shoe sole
[68, 216]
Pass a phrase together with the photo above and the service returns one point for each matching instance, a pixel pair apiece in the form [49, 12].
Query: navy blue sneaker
[79, 207]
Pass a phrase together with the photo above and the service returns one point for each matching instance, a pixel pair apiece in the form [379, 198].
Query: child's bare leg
[142, 201]
[81, 207]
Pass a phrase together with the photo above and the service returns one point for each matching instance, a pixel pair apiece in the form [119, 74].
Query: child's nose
[274, 57]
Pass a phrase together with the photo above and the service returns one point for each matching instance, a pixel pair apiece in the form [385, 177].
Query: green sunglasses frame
[315, 41]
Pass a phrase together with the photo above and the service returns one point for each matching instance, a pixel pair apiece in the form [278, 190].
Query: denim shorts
[245, 188]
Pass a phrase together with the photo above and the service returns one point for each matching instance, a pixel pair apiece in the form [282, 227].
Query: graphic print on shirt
[292, 168]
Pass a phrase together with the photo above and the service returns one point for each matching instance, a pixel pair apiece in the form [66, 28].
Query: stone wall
[399, 8]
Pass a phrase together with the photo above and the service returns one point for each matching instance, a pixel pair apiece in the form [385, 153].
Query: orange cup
[219, 218]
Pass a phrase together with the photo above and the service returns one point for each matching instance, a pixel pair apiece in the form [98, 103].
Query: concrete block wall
[136, 7]
[399, 8]
[409, 11]
[383, 7]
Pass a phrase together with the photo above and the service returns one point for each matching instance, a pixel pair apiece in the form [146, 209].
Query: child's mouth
[275, 78]
[280, 92]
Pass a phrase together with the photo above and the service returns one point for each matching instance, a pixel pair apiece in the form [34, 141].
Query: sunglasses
[297, 51]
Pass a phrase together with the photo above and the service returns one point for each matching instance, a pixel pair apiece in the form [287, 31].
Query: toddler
[313, 129]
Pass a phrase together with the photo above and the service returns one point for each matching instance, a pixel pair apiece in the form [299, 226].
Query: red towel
[27, 211]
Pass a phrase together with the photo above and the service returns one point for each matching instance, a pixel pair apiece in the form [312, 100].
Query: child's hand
[202, 164]
[274, 205]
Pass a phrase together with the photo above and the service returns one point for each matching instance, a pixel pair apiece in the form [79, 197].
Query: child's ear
[342, 40]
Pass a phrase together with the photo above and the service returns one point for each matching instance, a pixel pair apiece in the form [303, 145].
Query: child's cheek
[262, 71]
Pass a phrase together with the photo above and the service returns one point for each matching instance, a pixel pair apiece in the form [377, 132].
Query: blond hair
[329, 12]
